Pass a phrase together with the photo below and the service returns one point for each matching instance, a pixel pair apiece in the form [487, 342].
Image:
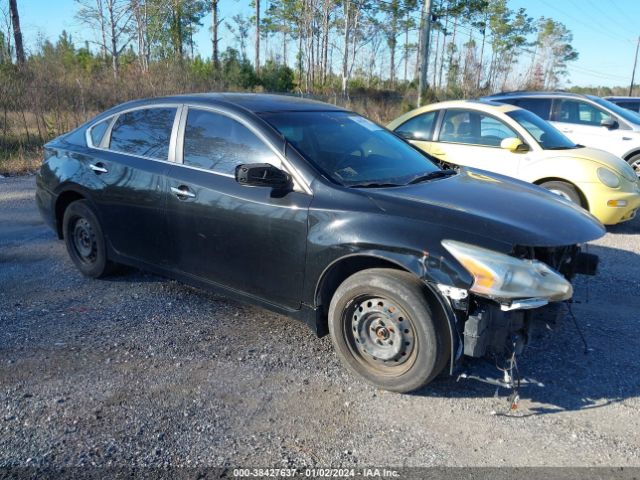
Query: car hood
[601, 157]
[475, 203]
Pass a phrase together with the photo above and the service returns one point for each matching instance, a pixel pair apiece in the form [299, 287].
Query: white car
[586, 119]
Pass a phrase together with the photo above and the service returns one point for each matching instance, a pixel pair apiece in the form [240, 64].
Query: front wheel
[84, 240]
[384, 330]
[635, 163]
[565, 190]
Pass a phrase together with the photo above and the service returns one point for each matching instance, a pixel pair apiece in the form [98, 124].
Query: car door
[580, 121]
[130, 161]
[472, 138]
[418, 130]
[251, 239]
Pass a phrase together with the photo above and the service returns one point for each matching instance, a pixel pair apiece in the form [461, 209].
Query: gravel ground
[137, 370]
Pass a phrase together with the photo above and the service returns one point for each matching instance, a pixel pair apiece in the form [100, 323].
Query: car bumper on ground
[612, 206]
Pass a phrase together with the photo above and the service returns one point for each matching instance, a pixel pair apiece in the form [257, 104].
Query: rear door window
[145, 132]
[576, 111]
[219, 143]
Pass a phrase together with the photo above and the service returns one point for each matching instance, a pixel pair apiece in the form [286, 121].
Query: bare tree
[141, 16]
[215, 23]
[17, 32]
[346, 8]
[257, 65]
[113, 19]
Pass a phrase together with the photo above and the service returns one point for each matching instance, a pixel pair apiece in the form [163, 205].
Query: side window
[219, 143]
[97, 132]
[540, 106]
[575, 111]
[474, 128]
[419, 127]
[144, 132]
[635, 106]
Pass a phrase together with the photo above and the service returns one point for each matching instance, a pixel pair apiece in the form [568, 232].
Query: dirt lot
[139, 370]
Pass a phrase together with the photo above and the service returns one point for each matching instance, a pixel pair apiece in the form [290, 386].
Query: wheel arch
[342, 268]
[63, 200]
[631, 154]
[583, 199]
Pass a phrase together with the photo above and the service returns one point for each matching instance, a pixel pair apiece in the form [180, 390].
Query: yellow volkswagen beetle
[511, 141]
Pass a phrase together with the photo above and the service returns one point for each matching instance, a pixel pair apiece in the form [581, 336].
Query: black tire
[84, 240]
[388, 306]
[565, 190]
[635, 163]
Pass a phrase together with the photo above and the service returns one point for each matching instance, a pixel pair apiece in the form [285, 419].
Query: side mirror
[609, 123]
[263, 175]
[514, 144]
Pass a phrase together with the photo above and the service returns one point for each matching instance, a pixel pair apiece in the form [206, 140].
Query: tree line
[340, 50]
[476, 45]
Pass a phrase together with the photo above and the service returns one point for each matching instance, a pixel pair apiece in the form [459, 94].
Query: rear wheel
[384, 330]
[635, 163]
[565, 190]
[84, 240]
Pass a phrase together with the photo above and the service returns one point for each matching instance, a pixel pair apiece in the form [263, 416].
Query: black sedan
[320, 214]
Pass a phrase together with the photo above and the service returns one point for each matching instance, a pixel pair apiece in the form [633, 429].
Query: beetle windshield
[352, 150]
[549, 137]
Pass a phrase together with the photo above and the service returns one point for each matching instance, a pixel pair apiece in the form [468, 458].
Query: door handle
[437, 152]
[566, 130]
[98, 168]
[182, 192]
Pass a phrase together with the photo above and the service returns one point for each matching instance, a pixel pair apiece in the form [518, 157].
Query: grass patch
[21, 162]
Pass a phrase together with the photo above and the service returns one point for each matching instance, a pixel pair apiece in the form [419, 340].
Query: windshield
[350, 149]
[549, 137]
[628, 115]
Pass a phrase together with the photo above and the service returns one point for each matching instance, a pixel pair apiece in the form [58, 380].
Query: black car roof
[252, 102]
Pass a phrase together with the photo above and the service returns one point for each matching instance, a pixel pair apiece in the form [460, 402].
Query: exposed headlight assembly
[501, 277]
[607, 177]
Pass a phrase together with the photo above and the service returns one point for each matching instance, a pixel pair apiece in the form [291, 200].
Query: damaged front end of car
[513, 300]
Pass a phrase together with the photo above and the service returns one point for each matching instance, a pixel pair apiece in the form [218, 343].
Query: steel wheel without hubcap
[380, 334]
[84, 241]
[384, 329]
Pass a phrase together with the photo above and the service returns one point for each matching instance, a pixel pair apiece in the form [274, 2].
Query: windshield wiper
[432, 175]
[374, 185]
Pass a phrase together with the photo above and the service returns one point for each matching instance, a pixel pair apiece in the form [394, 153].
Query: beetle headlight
[607, 177]
[500, 276]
